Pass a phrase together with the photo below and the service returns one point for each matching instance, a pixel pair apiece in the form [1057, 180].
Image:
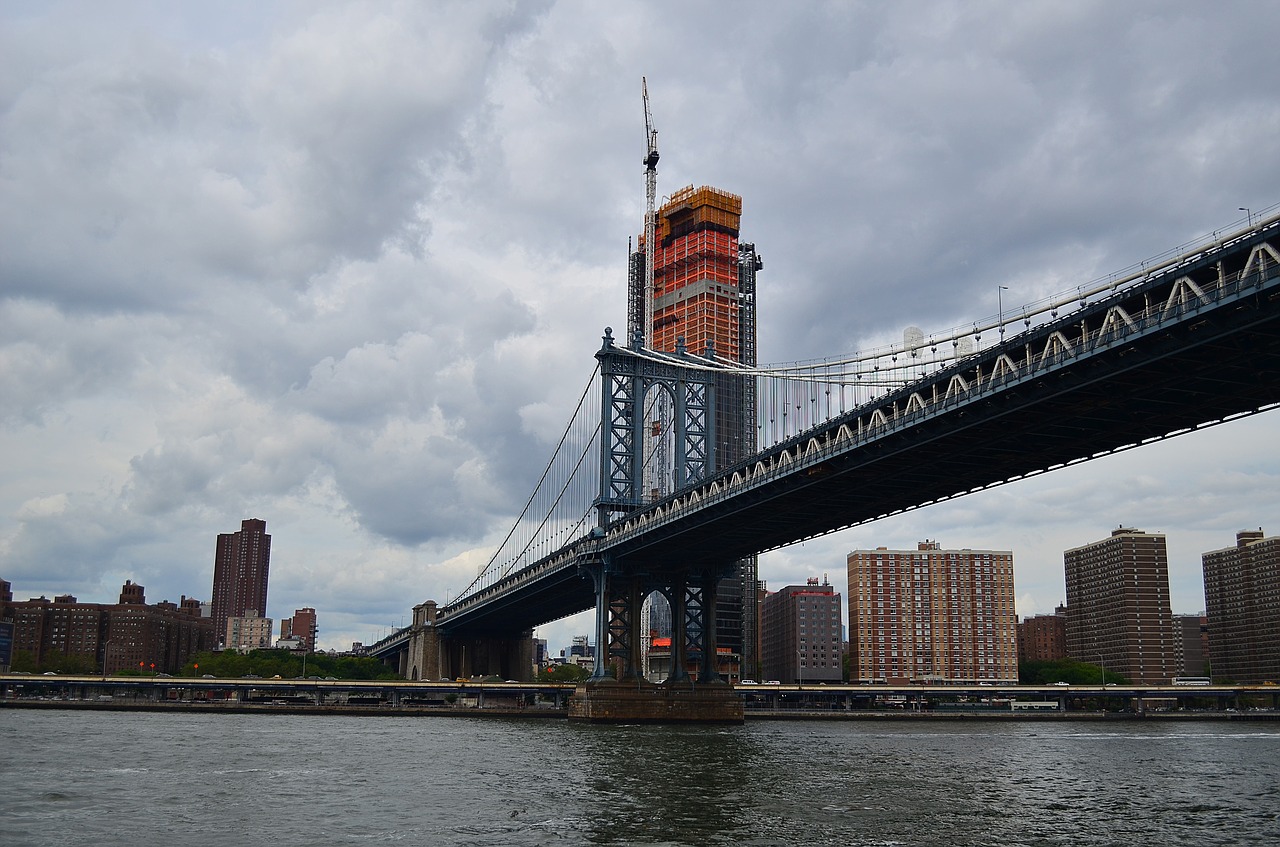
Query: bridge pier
[637, 701]
[617, 690]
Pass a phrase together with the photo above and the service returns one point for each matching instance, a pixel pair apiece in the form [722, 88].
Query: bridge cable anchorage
[564, 436]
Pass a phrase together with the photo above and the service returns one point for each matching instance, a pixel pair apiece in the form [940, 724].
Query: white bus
[1192, 680]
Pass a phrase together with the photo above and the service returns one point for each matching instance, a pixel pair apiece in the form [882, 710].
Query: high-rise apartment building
[1242, 600]
[801, 634]
[241, 566]
[932, 615]
[1118, 613]
[704, 296]
[1043, 638]
[301, 626]
[1191, 642]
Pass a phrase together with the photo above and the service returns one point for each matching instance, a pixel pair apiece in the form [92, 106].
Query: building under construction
[704, 297]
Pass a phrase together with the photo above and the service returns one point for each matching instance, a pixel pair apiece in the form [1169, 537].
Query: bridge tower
[690, 385]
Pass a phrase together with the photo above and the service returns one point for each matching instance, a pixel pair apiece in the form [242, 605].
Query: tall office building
[1118, 613]
[704, 296]
[932, 615]
[801, 631]
[1242, 599]
[240, 569]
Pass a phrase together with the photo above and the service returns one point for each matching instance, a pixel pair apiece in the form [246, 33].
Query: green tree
[79, 664]
[25, 661]
[563, 673]
[230, 664]
[1065, 670]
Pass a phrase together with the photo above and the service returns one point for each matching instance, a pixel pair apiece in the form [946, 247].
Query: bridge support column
[708, 672]
[679, 647]
[627, 598]
[597, 570]
[509, 656]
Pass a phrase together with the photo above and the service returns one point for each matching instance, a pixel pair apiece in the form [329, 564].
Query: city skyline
[346, 268]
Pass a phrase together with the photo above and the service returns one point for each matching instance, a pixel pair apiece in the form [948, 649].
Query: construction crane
[650, 216]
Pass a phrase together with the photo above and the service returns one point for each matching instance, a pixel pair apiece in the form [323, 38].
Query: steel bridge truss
[628, 383]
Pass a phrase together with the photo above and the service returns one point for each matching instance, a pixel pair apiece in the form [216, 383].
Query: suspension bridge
[1177, 343]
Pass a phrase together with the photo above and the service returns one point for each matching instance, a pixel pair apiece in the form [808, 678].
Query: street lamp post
[1102, 663]
[1000, 305]
[1249, 213]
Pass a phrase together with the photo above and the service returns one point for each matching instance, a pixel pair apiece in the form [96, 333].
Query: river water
[70, 777]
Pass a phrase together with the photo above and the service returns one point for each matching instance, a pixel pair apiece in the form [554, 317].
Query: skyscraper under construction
[704, 298]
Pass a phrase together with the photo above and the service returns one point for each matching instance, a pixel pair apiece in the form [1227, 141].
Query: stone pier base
[609, 701]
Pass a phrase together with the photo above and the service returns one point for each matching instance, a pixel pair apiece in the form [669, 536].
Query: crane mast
[650, 216]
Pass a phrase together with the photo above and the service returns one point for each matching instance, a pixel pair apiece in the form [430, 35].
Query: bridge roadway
[1190, 343]
[390, 695]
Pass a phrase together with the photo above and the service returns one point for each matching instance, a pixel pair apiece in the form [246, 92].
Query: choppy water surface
[119, 778]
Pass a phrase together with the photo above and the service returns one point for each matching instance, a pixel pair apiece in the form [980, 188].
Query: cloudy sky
[343, 266]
